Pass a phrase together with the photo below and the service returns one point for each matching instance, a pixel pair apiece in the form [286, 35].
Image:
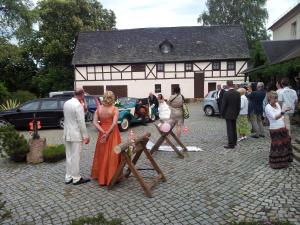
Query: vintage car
[127, 114]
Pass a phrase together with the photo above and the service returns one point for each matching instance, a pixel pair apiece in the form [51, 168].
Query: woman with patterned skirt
[242, 124]
[281, 149]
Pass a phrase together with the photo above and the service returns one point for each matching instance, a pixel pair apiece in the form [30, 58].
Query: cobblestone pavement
[215, 186]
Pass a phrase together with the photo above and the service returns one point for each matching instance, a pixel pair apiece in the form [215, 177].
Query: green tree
[53, 45]
[15, 17]
[252, 14]
[3, 93]
[16, 67]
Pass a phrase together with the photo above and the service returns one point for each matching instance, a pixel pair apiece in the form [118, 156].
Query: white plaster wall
[284, 31]
[140, 88]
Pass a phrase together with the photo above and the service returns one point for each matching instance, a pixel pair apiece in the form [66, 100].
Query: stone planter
[35, 154]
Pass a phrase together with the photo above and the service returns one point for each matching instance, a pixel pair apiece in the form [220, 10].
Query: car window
[48, 105]
[30, 106]
[213, 95]
[62, 102]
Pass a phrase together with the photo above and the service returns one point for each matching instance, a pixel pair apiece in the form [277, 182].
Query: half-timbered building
[134, 62]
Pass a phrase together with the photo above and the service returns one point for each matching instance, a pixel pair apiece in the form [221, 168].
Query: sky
[170, 13]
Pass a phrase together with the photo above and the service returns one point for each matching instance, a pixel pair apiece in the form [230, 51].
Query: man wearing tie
[75, 134]
[230, 109]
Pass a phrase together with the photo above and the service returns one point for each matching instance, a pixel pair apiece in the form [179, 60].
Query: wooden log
[124, 146]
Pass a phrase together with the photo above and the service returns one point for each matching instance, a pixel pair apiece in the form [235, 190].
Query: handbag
[186, 112]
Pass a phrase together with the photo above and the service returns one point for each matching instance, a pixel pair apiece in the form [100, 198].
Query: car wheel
[61, 123]
[124, 124]
[209, 111]
[2, 122]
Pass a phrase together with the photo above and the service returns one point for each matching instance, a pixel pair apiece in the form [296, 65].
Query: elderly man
[257, 98]
[75, 134]
[230, 109]
[288, 100]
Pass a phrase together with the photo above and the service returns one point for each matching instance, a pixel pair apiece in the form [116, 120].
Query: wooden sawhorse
[164, 136]
[129, 149]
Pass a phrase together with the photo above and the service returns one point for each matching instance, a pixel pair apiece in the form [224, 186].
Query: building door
[212, 86]
[94, 90]
[199, 85]
[118, 90]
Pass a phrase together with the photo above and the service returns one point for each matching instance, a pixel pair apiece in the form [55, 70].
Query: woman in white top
[242, 124]
[281, 149]
[164, 111]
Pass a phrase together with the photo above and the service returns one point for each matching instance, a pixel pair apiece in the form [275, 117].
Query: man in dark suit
[220, 93]
[230, 110]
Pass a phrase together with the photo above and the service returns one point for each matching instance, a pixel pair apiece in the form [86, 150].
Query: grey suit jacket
[74, 122]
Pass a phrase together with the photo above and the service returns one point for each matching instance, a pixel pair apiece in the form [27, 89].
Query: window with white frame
[216, 65]
[230, 65]
[157, 88]
[294, 29]
[160, 67]
[188, 66]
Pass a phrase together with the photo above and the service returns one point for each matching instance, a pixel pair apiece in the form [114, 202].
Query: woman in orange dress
[106, 161]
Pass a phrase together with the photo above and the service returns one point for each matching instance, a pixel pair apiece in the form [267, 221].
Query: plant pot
[35, 154]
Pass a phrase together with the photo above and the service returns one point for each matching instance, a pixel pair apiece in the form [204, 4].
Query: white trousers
[73, 152]
[287, 122]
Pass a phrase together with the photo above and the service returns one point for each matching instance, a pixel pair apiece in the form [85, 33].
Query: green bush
[12, 144]
[4, 213]
[54, 153]
[3, 93]
[22, 96]
[96, 220]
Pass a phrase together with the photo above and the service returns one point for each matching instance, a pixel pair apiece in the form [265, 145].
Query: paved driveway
[214, 186]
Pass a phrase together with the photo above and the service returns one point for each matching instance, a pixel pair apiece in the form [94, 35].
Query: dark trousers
[231, 132]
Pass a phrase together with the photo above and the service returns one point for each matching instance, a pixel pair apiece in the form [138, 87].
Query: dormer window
[165, 47]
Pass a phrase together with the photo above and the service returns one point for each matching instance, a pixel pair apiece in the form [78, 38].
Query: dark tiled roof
[142, 45]
[279, 51]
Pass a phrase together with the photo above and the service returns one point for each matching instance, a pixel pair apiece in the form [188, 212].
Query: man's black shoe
[254, 136]
[261, 135]
[69, 182]
[228, 146]
[82, 181]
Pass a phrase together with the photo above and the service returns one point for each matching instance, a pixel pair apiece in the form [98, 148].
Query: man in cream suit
[75, 134]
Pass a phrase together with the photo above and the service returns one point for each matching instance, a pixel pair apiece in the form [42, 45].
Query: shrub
[96, 220]
[22, 96]
[12, 144]
[9, 104]
[4, 213]
[3, 93]
[54, 153]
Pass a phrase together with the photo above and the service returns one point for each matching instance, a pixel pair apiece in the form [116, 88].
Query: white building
[288, 26]
[135, 62]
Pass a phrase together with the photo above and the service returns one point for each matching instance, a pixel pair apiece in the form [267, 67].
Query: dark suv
[47, 110]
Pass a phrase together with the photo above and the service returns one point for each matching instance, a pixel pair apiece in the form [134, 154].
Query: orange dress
[106, 161]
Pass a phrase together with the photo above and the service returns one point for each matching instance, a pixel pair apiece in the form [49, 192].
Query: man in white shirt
[287, 99]
[75, 134]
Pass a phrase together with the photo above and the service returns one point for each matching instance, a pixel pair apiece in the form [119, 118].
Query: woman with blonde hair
[281, 149]
[242, 124]
[106, 161]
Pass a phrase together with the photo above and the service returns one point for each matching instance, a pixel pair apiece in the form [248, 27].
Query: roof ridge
[148, 28]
